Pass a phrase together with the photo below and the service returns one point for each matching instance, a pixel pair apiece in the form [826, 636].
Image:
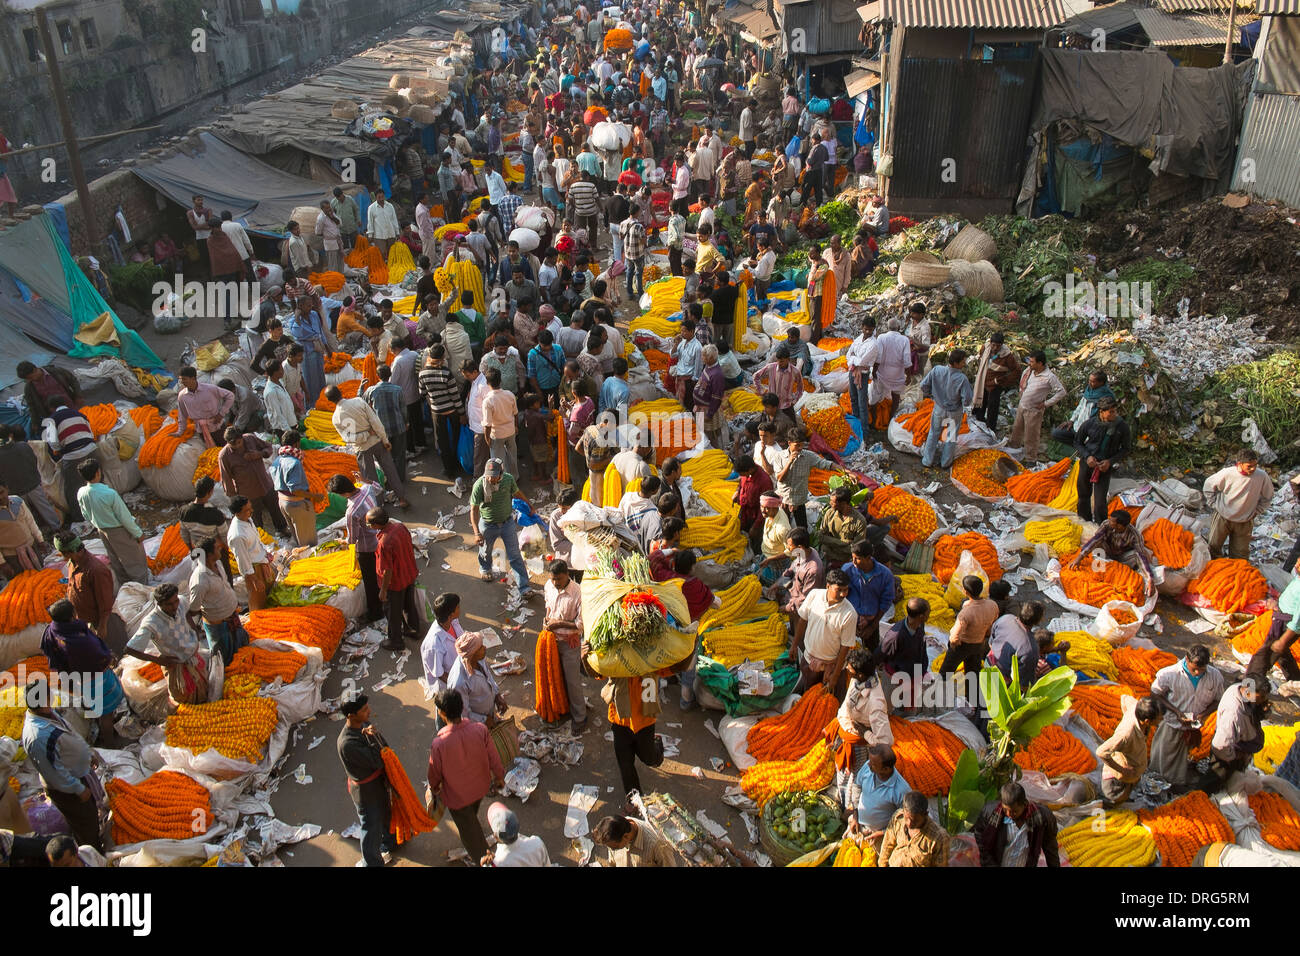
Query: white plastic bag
[966, 564]
[1108, 629]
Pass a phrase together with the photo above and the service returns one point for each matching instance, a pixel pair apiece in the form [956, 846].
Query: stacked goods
[813, 771]
[102, 418]
[790, 735]
[1098, 705]
[320, 465]
[1062, 535]
[319, 426]
[851, 854]
[349, 389]
[24, 600]
[315, 625]
[918, 422]
[619, 39]
[830, 424]
[1229, 585]
[238, 685]
[336, 568]
[927, 754]
[1252, 637]
[741, 401]
[1279, 824]
[712, 465]
[1056, 751]
[738, 603]
[1117, 839]
[1090, 655]
[408, 814]
[718, 531]
[733, 644]
[982, 472]
[639, 616]
[1039, 487]
[1277, 742]
[915, 518]
[1093, 586]
[165, 806]
[942, 614]
[1185, 825]
[267, 664]
[238, 729]
[1138, 665]
[172, 550]
[167, 461]
[159, 448]
[551, 699]
[948, 550]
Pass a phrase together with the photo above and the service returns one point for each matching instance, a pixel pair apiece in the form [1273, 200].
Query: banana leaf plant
[1015, 718]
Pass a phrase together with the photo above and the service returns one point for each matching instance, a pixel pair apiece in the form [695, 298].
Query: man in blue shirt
[871, 592]
[390, 408]
[295, 495]
[614, 391]
[881, 789]
[62, 758]
[546, 366]
[952, 393]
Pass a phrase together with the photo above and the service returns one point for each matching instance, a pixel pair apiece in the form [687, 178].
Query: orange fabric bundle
[1170, 543]
[335, 362]
[171, 550]
[819, 481]
[1039, 487]
[1138, 665]
[350, 389]
[1279, 824]
[550, 698]
[369, 372]
[918, 422]
[979, 471]
[1183, 826]
[147, 417]
[1098, 705]
[1117, 504]
[1056, 751]
[322, 464]
[916, 519]
[1230, 585]
[24, 600]
[165, 806]
[948, 549]
[830, 424]
[267, 664]
[102, 418]
[790, 735]
[1252, 637]
[1117, 582]
[208, 465]
[315, 625]
[927, 754]
[331, 282]
[408, 817]
[158, 448]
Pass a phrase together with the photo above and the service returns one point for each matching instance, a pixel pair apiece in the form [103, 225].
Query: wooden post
[69, 131]
[1232, 28]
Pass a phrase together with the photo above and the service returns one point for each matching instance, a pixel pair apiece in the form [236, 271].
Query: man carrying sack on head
[362, 755]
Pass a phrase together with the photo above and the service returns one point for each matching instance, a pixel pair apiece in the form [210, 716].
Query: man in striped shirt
[584, 199]
[361, 500]
[71, 436]
[509, 208]
[441, 389]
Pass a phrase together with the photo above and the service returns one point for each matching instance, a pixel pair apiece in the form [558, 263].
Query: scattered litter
[316, 742]
[1199, 625]
[697, 773]
[709, 726]
[581, 800]
[301, 776]
[671, 745]
[717, 763]
[522, 778]
[353, 832]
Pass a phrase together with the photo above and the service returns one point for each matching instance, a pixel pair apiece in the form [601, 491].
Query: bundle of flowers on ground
[830, 424]
[164, 806]
[766, 779]
[1229, 585]
[172, 550]
[101, 418]
[1278, 821]
[790, 735]
[1251, 638]
[984, 472]
[238, 685]
[927, 754]
[732, 644]
[267, 664]
[207, 466]
[1056, 751]
[1138, 665]
[147, 417]
[948, 550]
[1185, 825]
[1277, 743]
[942, 614]
[1117, 839]
[315, 625]
[24, 600]
[1094, 583]
[1039, 487]
[334, 568]
[1061, 535]
[918, 422]
[738, 604]
[1098, 705]
[238, 729]
[1090, 655]
[915, 518]
[1170, 543]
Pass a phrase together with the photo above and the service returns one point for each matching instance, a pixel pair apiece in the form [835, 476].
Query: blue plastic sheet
[524, 514]
[854, 442]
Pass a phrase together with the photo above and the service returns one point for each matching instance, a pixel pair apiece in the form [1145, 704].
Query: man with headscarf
[63, 760]
[473, 678]
[998, 372]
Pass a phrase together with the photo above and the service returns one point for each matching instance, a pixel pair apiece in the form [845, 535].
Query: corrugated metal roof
[1111, 17]
[1187, 29]
[1278, 8]
[869, 11]
[987, 14]
[1204, 6]
[1268, 164]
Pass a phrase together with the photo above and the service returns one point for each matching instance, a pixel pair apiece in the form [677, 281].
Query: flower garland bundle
[1062, 535]
[469, 279]
[927, 754]
[1117, 504]
[550, 698]
[1117, 839]
[1277, 742]
[1041, 486]
[152, 672]
[207, 465]
[399, 262]
[1098, 705]
[720, 531]
[369, 369]
[25, 670]
[240, 685]
[916, 520]
[172, 550]
[357, 257]
[314, 625]
[733, 644]
[837, 364]
[350, 389]
[1252, 637]
[159, 448]
[1185, 825]
[1170, 543]
[332, 282]
[1056, 751]
[318, 425]
[846, 403]
[267, 664]
[850, 854]
[1115, 582]
[102, 418]
[830, 424]
[918, 422]
[335, 362]
[618, 39]
[948, 549]
[336, 568]
[24, 600]
[924, 586]
[712, 464]
[979, 470]
[1091, 655]
[13, 711]
[738, 603]
[408, 817]
[238, 729]
[790, 735]
[814, 771]
[319, 465]
[661, 361]
[1278, 821]
[1138, 665]
[638, 617]
[165, 806]
[834, 345]
[147, 417]
[1230, 585]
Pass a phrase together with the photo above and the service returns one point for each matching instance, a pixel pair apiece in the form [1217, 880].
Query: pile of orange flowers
[207, 465]
[1056, 751]
[916, 519]
[266, 663]
[241, 685]
[1170, 543]
[1202, 749]
[24, 600]
[819, 481]
[927, 754]
[1138, 665]
[1230, 585]
[350, 388]
[1122, 616]
[158, 448]
[550, 697]
[408, 814]
[846, 403]
[1252, 637]
[335, 362]
[171, 550]
[1117, 582]
[828, 344]
[657, 360]
[1279, 824]
[25, 670]
[830, 424]
[147, 417]
[1185, 825]
[366, 256]
[790, 735]
[319, 465]
[1117, 504]
[369, 371]
[330, 282]
[1098, 705]
[165, 806]
[918, 422]
[238, 729]
[316, 625]
[764, 780]
[979, 471]
[1039, 487]
[102, 418]
[948, 549]
[152, 672]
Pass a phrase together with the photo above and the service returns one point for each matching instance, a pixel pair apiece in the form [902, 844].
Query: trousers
[1236, 533]
[302, 517]
[630, 747]
[373, 813]
[571, 665]
[1027, 430]
[267, 507]
[446, 435]
[403, 615]
[931, 448]
[82, 816]
[470, 830]
[377, 456]
[505, 449]
[370, 581]
[1092, 494]
[508, 533]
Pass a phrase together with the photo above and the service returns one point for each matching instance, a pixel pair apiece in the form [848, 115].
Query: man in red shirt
[464, 766]
[396, 570]
[754, 483]
[699, 598]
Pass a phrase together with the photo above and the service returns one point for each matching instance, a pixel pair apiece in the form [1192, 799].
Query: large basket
[782, 851]
[922, 271]
[972, 244]
[980, 280]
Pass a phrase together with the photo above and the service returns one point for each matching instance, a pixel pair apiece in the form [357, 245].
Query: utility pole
[65, 118]
[1232, 27]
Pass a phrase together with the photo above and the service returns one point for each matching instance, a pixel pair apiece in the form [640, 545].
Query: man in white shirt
[511, 848]
[474, 413]
[438, 649]
[358, 425]
[239, 239]
[890, 355]
[826, 632]
[1186, 691]
[746, 131]
[280, 413]
[707, 216]
[1237, 495]
[381, 223]
[331, 233]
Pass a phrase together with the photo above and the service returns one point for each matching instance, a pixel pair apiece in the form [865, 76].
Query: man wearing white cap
[512, 849]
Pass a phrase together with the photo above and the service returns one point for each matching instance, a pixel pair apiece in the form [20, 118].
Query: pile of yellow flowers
[925, 586]
[765, 780]
[319, 426]
[238, 729]
[1277, 741]
[207, 465]
[1114, 839]
[713, 464]
[716, 531]
[659, 407]
[741, 401]
[1062, 535]
[241, 685]
[850, 854]
[733, 644]
[13, 708]
[337, 568]
[1089, 654]
[738, 603]
[665, 300]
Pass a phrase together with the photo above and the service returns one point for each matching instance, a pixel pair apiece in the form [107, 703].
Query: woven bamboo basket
[922, 271]
[972, 244]
[344, 109]
[400, 81]
[980, 280]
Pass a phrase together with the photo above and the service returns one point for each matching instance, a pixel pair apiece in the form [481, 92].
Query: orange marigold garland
[1115, 582]
[1056, 751]
[158, 448]
[1039, 487]
[267, 663]
[830, 424]
[147, 417]
[1098, 705]
[1138, 665]
[1170, 543]
[171, 550]
[1117, 504]
[1278, 821]
[238, 729]
[790, 735]
[408, 817]
[335, 362]
[927, 754]
[948, 549]
[1185, 825]
[102, 418]
[165, 806]
[766, 779]
[918, 422]
[550, 697]
[1230, 585]
[979, 470]
[24, 600]
[916, 519]
[316, 625]
[350, 389]
[207, 466]
[1252, 637]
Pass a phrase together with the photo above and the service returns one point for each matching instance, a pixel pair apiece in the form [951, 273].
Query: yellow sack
[624, 660]
[211, 356]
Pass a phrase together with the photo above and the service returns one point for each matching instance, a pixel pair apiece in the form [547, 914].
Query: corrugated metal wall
[1270, 141]
[972, 112]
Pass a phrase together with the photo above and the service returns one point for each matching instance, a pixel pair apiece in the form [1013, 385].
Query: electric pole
[69, 131]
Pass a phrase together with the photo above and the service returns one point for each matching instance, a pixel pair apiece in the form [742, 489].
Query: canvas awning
[859, 81]
[1186, 29]
[980, 14]
[870, 12]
